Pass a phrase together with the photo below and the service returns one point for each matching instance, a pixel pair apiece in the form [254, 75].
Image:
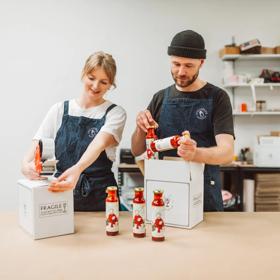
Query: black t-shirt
[222, 119]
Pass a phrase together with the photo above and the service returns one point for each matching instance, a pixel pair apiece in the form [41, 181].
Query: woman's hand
[187, 148]
[67, 180]
[29, 171]
[144, 120]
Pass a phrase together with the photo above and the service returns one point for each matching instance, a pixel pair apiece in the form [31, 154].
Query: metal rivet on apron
[212, 182]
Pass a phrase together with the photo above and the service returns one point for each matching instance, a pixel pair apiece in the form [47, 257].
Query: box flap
[33, 183]
[167, 170]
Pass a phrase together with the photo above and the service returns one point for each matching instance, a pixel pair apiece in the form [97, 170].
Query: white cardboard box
[267, 155]
[43, 213]
[183, 186]
[269, 140]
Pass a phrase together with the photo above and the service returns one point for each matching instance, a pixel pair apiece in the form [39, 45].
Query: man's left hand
[187, 149]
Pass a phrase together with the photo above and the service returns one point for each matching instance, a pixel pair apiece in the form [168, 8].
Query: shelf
[266, 113]
[249, 56]
[271, 85]
[124, 167]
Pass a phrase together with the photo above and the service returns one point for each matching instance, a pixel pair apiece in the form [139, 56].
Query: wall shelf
[264, 113]
[249, 56]
[253, 87]
[271, 85]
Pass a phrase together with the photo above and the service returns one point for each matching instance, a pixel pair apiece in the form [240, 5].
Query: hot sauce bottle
[158, 227]
[151, 137]
[139, 227]
[112, 211]
[168, 143]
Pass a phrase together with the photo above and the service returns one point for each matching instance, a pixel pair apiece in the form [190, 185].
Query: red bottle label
[150, 138]
[112, 216]
[139, 226]
[158, 226]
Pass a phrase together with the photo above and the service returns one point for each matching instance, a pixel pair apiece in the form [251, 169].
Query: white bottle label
[148, 147]
[112, 216]
[139, 218]
[158, 219]
[164, 144]
[148, 142]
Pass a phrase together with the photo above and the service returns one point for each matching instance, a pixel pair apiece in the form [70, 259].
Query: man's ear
[201, 62]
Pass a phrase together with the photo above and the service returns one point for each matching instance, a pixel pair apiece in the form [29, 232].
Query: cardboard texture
[267, 50]
[43, 213]
[183, 186]
[229, 50]
[277, 49]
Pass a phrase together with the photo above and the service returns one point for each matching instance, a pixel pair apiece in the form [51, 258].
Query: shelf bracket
[253, 91]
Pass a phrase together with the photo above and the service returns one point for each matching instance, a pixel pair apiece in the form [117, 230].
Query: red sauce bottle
[139, 227]
[158, 223]
[112, 211]
[167, 143]
[151, 137]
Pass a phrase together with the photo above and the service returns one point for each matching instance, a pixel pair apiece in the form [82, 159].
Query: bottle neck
[175, 141]
[151, 133]
[112, 196]
[158, 201]
[139, 197]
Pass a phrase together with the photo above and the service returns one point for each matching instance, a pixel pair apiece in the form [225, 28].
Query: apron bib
[194, 115]
[72, 140]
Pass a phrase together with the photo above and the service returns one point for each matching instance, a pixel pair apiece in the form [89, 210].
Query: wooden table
[229, 245]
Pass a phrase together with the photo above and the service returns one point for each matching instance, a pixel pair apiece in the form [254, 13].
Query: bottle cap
[158, 191]
[111, 188]
[139, 189]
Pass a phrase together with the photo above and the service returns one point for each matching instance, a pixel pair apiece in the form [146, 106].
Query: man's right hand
[144, 120]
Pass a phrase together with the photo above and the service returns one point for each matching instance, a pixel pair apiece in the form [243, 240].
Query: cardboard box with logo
[43, 213]
[183, 186]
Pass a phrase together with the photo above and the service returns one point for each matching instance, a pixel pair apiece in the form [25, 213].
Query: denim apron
[194, 115]
[72, 140]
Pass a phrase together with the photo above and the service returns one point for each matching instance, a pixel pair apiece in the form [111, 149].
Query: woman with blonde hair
[86, 132]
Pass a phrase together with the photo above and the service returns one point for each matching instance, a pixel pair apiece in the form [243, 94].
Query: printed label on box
[53, 209]
[197, 199]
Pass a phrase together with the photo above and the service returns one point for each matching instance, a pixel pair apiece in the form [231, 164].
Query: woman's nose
[94, 85]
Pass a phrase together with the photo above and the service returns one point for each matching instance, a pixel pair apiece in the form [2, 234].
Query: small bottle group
[138, 220]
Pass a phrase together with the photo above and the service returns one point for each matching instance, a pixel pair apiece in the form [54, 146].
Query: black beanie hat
[187, 44]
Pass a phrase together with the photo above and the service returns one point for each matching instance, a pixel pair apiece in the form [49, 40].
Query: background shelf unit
[270, 85]
[263, 113]
[249, 56]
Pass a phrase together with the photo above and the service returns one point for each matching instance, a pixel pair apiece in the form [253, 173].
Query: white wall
[45, 43]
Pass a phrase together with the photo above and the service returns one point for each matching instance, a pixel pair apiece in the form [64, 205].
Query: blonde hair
[103, 60]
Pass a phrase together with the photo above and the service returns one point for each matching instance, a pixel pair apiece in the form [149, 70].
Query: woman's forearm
[102, 141]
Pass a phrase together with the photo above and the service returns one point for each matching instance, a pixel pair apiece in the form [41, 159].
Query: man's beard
[187, 82]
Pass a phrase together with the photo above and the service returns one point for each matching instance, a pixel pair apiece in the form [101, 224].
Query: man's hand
[144, 120]
[66, 181]
[187, 148]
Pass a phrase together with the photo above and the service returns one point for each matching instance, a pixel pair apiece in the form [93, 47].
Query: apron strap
[66, 108]
[166, 94]
[83, 187]
[109, 109]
